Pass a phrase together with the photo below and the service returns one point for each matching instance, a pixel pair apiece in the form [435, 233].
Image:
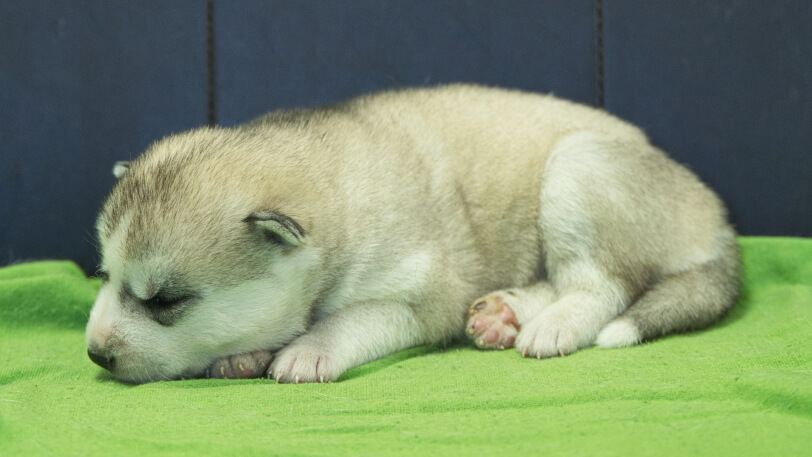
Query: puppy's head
[204, 254]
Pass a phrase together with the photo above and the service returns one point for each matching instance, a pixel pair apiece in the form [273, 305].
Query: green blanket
[743, 387]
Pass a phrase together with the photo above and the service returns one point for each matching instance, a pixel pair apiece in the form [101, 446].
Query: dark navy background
[724, 86]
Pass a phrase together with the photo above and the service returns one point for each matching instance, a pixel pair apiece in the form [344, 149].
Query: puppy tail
[688, 300]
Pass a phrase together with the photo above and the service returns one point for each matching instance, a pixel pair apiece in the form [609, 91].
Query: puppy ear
[121, 168]
[278, 228]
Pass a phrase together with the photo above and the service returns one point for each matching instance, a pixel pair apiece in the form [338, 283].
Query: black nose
[101, 360]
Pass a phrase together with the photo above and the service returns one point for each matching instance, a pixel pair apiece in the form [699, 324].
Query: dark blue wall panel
[726, 87]
[292, 53]
[82, 84]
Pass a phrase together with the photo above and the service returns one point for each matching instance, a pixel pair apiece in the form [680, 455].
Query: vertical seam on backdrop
[211, 67]
[599, 76]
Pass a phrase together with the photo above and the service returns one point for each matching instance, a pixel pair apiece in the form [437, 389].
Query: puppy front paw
[241, 366]
[304, 362]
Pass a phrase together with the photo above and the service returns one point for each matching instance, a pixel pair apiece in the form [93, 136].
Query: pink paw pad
[241, 366]
[492, 324]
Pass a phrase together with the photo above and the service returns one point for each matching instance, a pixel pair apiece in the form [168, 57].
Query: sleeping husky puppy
[309, 242]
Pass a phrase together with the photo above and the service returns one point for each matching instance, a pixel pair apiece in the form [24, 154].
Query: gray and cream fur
[308, 242]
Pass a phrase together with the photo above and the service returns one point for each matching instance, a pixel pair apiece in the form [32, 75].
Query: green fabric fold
[742, 387]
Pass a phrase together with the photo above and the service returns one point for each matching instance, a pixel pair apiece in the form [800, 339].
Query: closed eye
[160, 301]
[167, 308]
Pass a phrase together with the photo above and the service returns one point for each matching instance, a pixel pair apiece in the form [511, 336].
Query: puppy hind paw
[241, 366]
[548, 336]
[492, 324]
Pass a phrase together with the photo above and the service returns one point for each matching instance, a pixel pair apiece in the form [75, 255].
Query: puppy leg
[592, 234]
[495, 319]
[345, 339]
